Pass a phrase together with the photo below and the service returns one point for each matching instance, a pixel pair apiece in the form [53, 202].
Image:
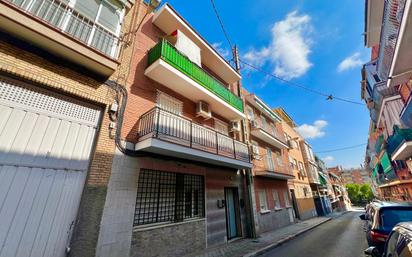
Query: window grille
[168, 197]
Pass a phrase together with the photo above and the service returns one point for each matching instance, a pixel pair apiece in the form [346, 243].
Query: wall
[307, 208]
[275, 218]
[171, 240]
[118, 237]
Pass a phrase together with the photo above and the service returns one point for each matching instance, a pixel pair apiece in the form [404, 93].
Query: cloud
[328, 158]
[224, 52]
[289, 48]
[313, 131]
[350, 62]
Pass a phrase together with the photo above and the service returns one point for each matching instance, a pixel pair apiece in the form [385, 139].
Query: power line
[290, 83]
[341, 149]
[221, 24]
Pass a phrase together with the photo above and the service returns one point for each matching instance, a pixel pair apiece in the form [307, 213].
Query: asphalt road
[340, 237]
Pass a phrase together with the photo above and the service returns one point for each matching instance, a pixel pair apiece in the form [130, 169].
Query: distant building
[355, 176]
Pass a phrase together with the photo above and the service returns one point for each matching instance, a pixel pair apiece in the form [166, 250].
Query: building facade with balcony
[271, 170]
[339, 197]
[386, 90]
[325, 190]
[181, 184]
[58, 63]
[299, 187]
[358, 176]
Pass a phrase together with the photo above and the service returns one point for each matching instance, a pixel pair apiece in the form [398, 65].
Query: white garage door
[45, 145]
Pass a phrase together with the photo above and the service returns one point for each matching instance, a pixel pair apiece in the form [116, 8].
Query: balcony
[281, 172]
[58, 28]
[171, 68]
[400, 144]
[373, 21]
[395, 52]
[380, 144]
[275, 138]
[406, 113]
[165, 133]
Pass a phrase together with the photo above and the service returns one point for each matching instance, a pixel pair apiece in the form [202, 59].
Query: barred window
[168, 197]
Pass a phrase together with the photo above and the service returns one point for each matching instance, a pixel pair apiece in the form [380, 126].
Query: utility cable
[290, 83]
[341, 149]
[221, 24]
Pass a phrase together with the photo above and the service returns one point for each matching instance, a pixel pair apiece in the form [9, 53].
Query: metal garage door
[45, 145]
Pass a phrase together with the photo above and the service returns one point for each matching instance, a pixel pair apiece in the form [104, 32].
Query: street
[340, 237]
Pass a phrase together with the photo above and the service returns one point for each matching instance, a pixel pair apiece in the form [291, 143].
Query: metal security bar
[60, 15]
[168, 197]
[392, 17]
[167, 126]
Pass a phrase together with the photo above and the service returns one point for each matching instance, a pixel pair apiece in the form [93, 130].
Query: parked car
[399, 243]
[380, 218]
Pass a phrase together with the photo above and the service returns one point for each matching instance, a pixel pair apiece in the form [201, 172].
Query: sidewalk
[266, 242]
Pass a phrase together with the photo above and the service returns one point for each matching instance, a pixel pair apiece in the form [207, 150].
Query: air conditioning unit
[203, 110]
[235, 126]
[254, 124]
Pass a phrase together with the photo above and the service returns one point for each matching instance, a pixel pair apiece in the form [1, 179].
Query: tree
[359, 194]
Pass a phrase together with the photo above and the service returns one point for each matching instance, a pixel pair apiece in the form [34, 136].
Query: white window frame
[250, 113]
[263, 203]
[286, 198]
[276, 199]
[269, 159]
[254, 143]
[264, 122]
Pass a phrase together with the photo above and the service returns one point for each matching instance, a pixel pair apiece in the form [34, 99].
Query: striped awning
[322, 179]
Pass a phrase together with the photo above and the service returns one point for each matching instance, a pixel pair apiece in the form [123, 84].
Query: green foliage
[359, 194]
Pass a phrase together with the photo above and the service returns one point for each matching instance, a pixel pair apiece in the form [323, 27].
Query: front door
[232, 212]
[294, 203]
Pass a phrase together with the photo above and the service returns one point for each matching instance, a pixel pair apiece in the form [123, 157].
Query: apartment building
[355, 176]
[181, 184]
[58, 64]
[339, 199]
[299, 187]
[386, 89]
[325, 190]
[271, 170]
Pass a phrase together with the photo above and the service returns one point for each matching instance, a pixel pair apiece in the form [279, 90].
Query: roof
[285, 116]
[387, 204]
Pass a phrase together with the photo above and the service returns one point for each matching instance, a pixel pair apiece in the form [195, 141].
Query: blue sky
[305, 42]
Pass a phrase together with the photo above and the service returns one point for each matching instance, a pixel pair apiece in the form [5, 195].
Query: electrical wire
[290, 83]
[221, 24]
[341, 149]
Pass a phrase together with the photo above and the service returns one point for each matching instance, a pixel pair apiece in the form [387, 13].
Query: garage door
[45, 145]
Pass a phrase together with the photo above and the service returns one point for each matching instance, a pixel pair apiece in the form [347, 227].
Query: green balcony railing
[379, 144]
[398, 137]
[172, 56]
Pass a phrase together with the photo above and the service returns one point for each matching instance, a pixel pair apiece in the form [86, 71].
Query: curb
[284, 240]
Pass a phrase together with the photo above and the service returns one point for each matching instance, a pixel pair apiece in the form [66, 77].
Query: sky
[315, 43]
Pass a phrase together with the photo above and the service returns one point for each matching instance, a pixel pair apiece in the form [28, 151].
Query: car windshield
[391, 217]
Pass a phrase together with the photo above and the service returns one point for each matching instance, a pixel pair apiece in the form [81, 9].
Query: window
[255, 147]
[169, 103]
[221, 127]
[305, 191]
[168, 197]
[291, 161]
[250, 114]
[264, 123]
[269, 159]
[263, 201]
[286, 197]
[279, 159]
[295, 164]
[276, 199]
[301, 168]
[273, 130]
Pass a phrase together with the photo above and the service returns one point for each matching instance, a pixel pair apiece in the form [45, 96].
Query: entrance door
[232, 212]
[294, 203]
[45, 146]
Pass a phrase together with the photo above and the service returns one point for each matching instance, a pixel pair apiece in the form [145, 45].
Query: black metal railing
[161, 124]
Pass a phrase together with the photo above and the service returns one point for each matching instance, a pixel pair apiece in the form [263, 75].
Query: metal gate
[45, 145]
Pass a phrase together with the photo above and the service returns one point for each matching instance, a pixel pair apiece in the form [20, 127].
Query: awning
[322, 179]
[386, 163]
